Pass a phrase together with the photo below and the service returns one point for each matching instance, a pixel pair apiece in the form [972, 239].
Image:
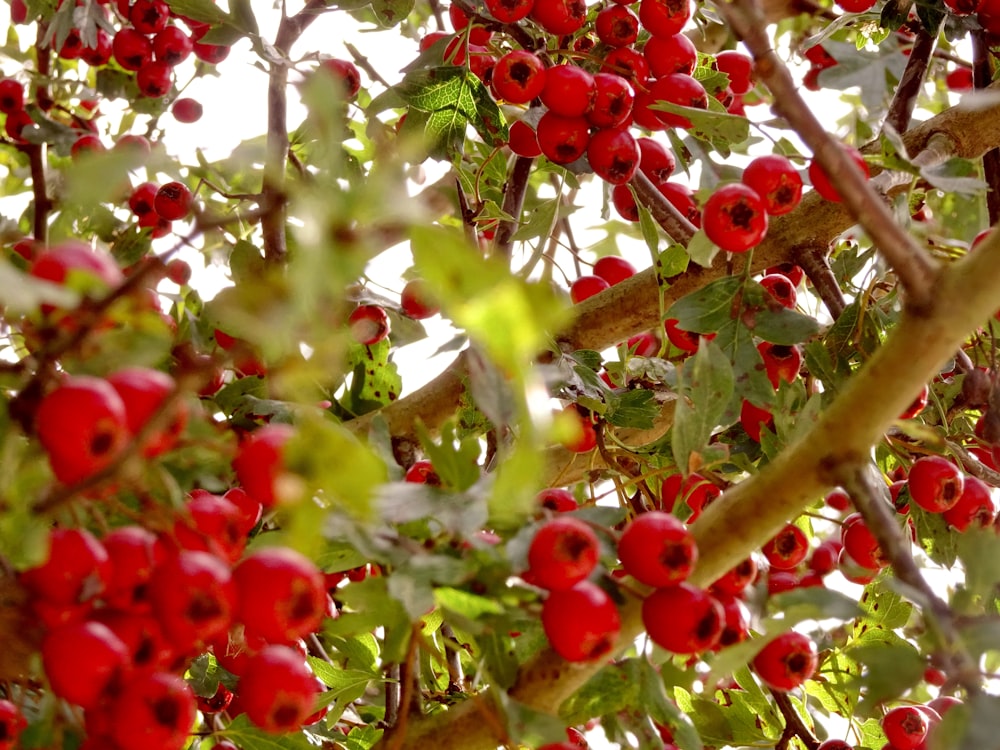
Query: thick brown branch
[982, 76]
[677, 227]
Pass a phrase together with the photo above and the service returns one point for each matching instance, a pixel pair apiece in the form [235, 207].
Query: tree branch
[982, 75]
[912, 80]
[813, 261]
[914, 267]
[513, 204]
[664, 213]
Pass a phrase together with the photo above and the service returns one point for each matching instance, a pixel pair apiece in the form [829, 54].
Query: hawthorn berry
[735, 580]
[680, 89]
[132, 554]
[154, 710]
[790, 271]
[694, 490]
[173, 201]
[736, 620]
[774, 178]
[664, 17]
[172, 45]
[683, 619]
[149, 16]
[277, 690]
[524, 140]
[154, 79]
[369, 324]
[681, 198]
[83, 427]
[786, 549]
[905, 727]
[860, 543]
[754, 419]
[212, 54]
[975, 506]
[586, 287]
[557, 499]
[518, 77]
[259, 461]
[856, 6]
[935, 483]
[657, 549]
[211, 523]
[509, 11]
[143, 392]
[11, 96]
[628, 63]
[781, 362]
[643, 344]
[734, 218]
[563, 552]
[563, 140]
[82, 660]
[786, 661]
[281, 595]
[670, 54]
[821, 181]
[613, 101]
[823, 559]
[739, 68]
[569, 90]
[131, 49]
[781, 290]
[186, 109]
[559, 17]
[12, 723]
[193, 598]
[833, 744]
[686, 341]
[581, 623]
[613, 155]
[624, 202]
[613, 269]
[838, 499]
[617, 26]
[76, 569]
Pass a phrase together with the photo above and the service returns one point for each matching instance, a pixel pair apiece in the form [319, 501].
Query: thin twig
[880, 518]
[813, 261]
[977, 468]
[407, 682]
[362, 62]
[456, 679]
[513, 204]
[794, 727]
[911, 82]
[676, 225]
[613, 461]
[916, 269]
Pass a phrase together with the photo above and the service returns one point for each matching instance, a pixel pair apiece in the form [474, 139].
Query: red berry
[518, 77]
[154, 79]
[369, 324]
[774, 178]
[613, 269]
[557, 499]
[975, 506]
[509, 11]
[821, 181]
[186, 109]
[644, 344]
[664, 17]
[617, 26]
[683, 619]
[657, 549]
[281, 595]
[856, 6]
[624, 202]
[905, 727]
[736, 620]
[131, 49]
[563, 552]
[259, 461]
[860, 544]
[524, 140]
[586, 287]
[12, 723]
[149, 16]
[569, 90]
[193, 598]
[172, 45]
[959, 79]
[415, 300]
[737, 579]
[422, 472]
[917, 405]
[734, 218]
[790, 271]
[834, 745]
[210, 53]
[346, 75]
[211, 523]
[559, 17]
[154, 710]
[670, 54]
[838, 499]
[76, 569]
[132, 552]
[11, 96]
[83, 427]
[825, 557]
[173, 201]
[781, 289]
[563, 139]
[277, 691]
[581, 623]
[143, 391]
[613, 155]
[786, 549]
[628, 63]
[780, 362]
[786, 661]
[754, 419]
[613, 101]
[935, 483]
[680, 89]
[82, 660]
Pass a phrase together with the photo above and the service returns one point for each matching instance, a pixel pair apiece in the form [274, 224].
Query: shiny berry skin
[790, 271]
[959, 79]
[524, 140]
[172, 45]
[739, 68]
[83, 427]
[281, 595]
[856, 6]
[62, 262]
[860, 544]
[657, 549]
[86, 144]
[154, 79]
[734, 218]
[681, 198]
[821, 181]
[12, 722]
[774, 178]
[643, 344]
[193, 598]
[186, 109]
[259, 461]
[76, 569]
[518, 77]
[737, 578]
[586, 287]
[664, 17]
[210, 53]
[656, 161]
[780, 362]
[149, 16]
[832, 744]
[617, 26]
[277, 690]
[154, 710]
[781, 289]
[905, 727]
[557, 499]
[935, 483]
[613, 101]
[754, 419]
[563, 552]
[173, 201]
[132, 553]
[680, 89]
[563, 139]
[695, 491]
[670, 54]
[415, 300]
[613, 269]
[613, 155]
[211, 523]
[369, 324]
[736, 619]
[787, 661]
[838, 499]
[628, 63]
[82, 660]
[11, 95]
[509, 11]
[143, 391]
[142, 198]
[559, 17]
[345, 73]
[568, 91]
[422, 472]
[786, 549]
[823, 559]
[683, 619]
[975, 506]
[581, 623]
[131, 49]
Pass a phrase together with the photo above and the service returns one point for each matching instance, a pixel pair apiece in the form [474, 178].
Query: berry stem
[794, 726]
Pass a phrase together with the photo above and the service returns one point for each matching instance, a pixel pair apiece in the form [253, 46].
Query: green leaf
[979, 551]
[670, 263]
[612, 689]
[892, 666]
[637, 408]
[205, 11]
[704, 389]
[709, 308]
[813, 603]
[471, 606]
[702, 250]
[883, 608]
[719, 128]
[954, 176]
[654, 700]
[248, 737]
[455, 461]
[392, 12]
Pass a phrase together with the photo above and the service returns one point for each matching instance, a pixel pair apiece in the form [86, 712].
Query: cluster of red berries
[156, 206]
[124, 616]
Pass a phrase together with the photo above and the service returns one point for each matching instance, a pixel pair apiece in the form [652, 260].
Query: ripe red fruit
[586, 287]
[131, 49]
[613, 269]
[613, 101]
[856, 6]
[149, 16]
[76, 570]
[917, 405]
[832, 744]
[173, 201]
[774, 178]
[581, 623]
[624, 202]
[132, 554]
[975, 506]
[557, 499]
[172, 45]
[11, 95]
[739, 68]
[78, 266]
[786, 549]
[154, 79]
[734, 218]
[790, 271]
[680, 89]
[780, 362]
[281, 595]
[568, 91]
[617, 26]
[786, 661]
[670, 54]
[523, 140]
[82, 425]
[737, 578]
[825, 557]
[838, 499]
[563, 552]
[664, 17]
[12, 722]
[345, 73]
[613, 155]
[210, 53]
[821, 181]
[518, 77]
[628, 63]
[422, 472]
[82, 660]
[559, 17]
[657, 549]
[643, 344]
[143, 391]
[142, 199]
[154, 710]
[369, 324]
[753, 419]
[935, 483]
[860, 544]
[211, 523]
[509, 11]
[563, 139]
[683, 619]
[277, 691]
[905, 727]
[415, 300]
[781, 289]
[193, 598]
[186, 109]
[259, 461]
